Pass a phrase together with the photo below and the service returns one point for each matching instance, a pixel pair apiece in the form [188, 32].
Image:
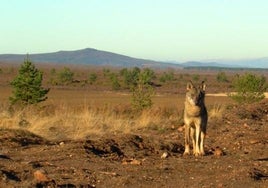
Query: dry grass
[77, 114]
[216, 111]
[76, 111]
[61, 122]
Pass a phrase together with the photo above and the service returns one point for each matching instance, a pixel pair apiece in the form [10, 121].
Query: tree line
[28, 89]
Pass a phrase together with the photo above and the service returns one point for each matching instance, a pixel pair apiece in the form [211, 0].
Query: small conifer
[27, 85]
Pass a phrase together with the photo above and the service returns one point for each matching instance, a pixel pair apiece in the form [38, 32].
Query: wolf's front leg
[193, 139]
[187, 140]
[202, 140]
[197, 140]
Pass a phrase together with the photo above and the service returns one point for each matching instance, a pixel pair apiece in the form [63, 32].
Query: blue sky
[179, 30]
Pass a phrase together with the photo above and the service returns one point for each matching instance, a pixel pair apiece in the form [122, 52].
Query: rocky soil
[236, 156]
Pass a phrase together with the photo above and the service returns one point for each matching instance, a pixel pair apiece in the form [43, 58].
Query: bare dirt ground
[236, 156]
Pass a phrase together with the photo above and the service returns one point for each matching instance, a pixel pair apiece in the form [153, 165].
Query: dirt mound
[131, 146]
[248, 113]
[256, 111]
[20, 137]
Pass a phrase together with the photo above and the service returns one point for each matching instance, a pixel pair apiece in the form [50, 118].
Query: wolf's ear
[189, 85]
[203, 86]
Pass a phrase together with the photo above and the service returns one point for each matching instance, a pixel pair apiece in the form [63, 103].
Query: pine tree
[27, 85]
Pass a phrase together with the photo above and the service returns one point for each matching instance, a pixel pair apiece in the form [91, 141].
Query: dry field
[88, 136]
[75, 114]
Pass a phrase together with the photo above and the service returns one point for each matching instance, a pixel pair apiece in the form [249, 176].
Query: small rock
[164, 155]
[41, 176]
[61, 143]
[254, 141]
[135, 162]
[131, 161]
[181, 128]
[246, 125]
[218, 152]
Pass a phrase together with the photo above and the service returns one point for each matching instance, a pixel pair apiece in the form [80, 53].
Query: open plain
[87, 135]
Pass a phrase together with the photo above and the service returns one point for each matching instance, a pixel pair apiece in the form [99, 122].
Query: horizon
[157, 30]
[235, 63]
[165, 61]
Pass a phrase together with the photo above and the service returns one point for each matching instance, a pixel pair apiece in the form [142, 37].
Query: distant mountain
[206, 64]
[249, 63]
[92, 56]
[261, 63]
[88, 56]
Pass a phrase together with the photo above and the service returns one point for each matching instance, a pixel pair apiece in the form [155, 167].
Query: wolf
[195, 118]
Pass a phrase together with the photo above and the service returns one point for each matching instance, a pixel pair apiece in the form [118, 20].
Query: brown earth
[236, 156]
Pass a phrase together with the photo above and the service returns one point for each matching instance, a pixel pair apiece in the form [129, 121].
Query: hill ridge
[92, 56]
[89, 56]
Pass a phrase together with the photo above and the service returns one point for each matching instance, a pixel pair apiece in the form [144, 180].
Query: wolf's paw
[197, 154]
[202, 153]
[186, 153]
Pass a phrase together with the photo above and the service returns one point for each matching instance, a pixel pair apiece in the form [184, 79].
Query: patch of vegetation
[53, 77]
[130, 77]
[92, 78]
[196, 77]
[27, 86]
[66, 76]
[221, 77]
[249, 88]
[167, 76]
[115, 81]
[142, 91]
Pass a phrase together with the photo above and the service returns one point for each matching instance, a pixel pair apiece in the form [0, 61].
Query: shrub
[221, 77]
[249, 88]
[27, 86]
[167, 77]
[53, 77]
[115, 81]
[65, 76]
[130, 77]
[148, 75]
[142, 92]
[196, 77]
[92, 78]
[106, 72]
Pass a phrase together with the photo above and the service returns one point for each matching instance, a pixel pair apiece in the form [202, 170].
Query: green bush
[148, 75]
[92, 78]
[196, 77]
[166, 77]
[249, 88]
[53, 77]
[130, 77]
[115, 81]
[221, 77]
[65, 76]
[142, 92]
[27, 85]
[106, 72]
